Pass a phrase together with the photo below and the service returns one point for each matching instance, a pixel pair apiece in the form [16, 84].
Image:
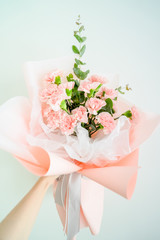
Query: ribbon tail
[74, 205]
[70, 185]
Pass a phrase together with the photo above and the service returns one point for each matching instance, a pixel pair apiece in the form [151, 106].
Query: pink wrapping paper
[118, 176]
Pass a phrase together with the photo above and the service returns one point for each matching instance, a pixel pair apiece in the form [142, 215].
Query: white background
[123, 37]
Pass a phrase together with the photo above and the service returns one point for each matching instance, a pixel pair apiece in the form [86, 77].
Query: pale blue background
[123, 37]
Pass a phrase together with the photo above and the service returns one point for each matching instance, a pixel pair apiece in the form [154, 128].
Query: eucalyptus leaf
[75, 49]
[80, 74]
[78, 38]
[82, 50]
[79, 62]
[83, 39]
[119, 90]
[81, 29]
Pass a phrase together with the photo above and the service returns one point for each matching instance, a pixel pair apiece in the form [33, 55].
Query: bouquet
[79, 127]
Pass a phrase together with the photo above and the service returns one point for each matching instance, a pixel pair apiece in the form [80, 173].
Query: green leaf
[76, 83]
[81, 97]
[81, 29]
[97, 89]
[75, 49]
[80, 74]
[75, 65]
[103, 94]
[82, 50]
[70, 77]
[101, 126]
[119, 90]
[113, 111]
[69, 92]
[77, 71]
[83, 125]
[109, 103]
[79, 39]
[57, 80]
[79, 62]
[128, 114]
[108, 107]
[91, 94]
[63, 105]
[83, 39]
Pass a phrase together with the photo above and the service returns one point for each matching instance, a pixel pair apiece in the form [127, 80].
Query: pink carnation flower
[81, 114]
[53, 94]
[46, 111]
[87, 85]
[54, 118]
[97, 78]
[50, 77]
[68, 124]
[107, 122]
[46, 93]
[105, 93]
[94, 104]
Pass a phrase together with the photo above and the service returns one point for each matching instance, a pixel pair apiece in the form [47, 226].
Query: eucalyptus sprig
[127, 88]
[79, 51]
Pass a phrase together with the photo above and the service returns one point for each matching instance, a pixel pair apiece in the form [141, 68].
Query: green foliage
[80, 39]
[81, 29]
[92, 126]
[57, 80]
[78, 98]
[93, 91]
[108, 107]
[75, 49]
[79, 62]
[127, 88]
[81, 75]
[70, 77]
[69, 92]
[82, 50]
[63, 105]
[128, 114]
[120, 90]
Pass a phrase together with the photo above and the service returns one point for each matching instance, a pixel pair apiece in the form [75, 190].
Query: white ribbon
[72, 183]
